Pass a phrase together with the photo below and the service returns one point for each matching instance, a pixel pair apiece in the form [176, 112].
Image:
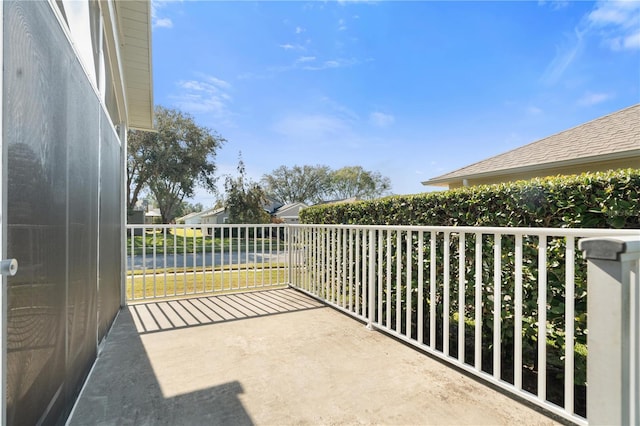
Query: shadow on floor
[175, 314]
[132, 396]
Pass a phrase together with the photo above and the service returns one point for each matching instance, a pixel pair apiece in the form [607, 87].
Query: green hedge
[593, 200]
[590, 200]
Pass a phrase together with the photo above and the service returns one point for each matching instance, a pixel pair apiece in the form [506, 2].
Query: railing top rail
[576, 232]
[204, 225]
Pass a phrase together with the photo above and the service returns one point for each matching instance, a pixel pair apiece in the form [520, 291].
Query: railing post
[613, 395]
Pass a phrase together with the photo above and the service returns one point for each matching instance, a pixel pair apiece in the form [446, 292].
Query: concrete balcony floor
[272, 358]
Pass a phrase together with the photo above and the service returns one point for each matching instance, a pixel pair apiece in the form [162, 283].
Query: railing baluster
[213, 259]
[144, 262]
[398, 281]
[445, 296]
[332, 262]
[371, 278]
[569, 316]
[175, 261]
[408, 298]
[542, 317]
[380, 275]
[239, 255]
[478, 308]
[358, 281]
[164, 244]
[497, 305]
[345, 274]
[230, 255]
[194, 243]
[517, 328]
[461, 295]
[132, 262]
[420, 286]
[389, 299]
[184, 260]
[222, 262]
[155, 255]
[204, 260]
[432, 290]
[364, 276]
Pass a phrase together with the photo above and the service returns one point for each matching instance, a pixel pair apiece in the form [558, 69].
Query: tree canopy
[245, 199]
[315, 184]
[171, 162]
[354, 181]
[305, 184]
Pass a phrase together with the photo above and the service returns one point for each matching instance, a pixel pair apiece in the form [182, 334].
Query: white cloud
[565, 55]
[332, 63]
[163, 23]
[208, 94]
[343, 2]
[289, 46]
[315, 127]
[590, 99]
[306, 59]
[300, 30]
[380, 119]
[617, 23]
[158, 21]
[341, 25]
[534, 110]
[554, 4]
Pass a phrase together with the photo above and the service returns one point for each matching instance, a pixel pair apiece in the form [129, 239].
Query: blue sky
[410, 89]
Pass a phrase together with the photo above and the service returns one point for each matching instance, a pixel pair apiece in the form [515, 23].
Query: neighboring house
[153, 216]
[272, 205]
[215, 216]
[187, 219]
[340, 201]
[606, 143]
[197, 218]
[289, 213]
[74, 76]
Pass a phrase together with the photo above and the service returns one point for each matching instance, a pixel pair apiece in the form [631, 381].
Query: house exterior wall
[599, 166]
[62, 189]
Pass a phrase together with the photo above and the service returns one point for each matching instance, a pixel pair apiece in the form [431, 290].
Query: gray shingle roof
[605, 137]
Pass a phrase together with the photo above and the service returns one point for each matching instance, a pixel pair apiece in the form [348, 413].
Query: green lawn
[179, 282]
[192, 241]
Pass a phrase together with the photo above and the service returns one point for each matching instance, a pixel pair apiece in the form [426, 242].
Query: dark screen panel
[110, 232]
[83, 129]
[35, 140]
[52, 137]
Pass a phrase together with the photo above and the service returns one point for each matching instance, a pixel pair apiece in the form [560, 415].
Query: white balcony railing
[180, 260]
[474, 297]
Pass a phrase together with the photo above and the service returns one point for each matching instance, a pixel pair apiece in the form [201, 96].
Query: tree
[245, 199]
[306, 184]
[172, 161]
[354, 181]
[185, 208]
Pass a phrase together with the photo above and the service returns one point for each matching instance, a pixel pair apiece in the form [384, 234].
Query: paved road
[189, 259]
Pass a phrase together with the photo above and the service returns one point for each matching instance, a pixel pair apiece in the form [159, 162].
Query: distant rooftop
[611, 137]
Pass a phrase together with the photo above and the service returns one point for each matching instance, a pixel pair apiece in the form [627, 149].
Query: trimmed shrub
[590, 200]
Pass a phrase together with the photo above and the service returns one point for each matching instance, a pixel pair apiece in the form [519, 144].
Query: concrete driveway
[274, 357]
